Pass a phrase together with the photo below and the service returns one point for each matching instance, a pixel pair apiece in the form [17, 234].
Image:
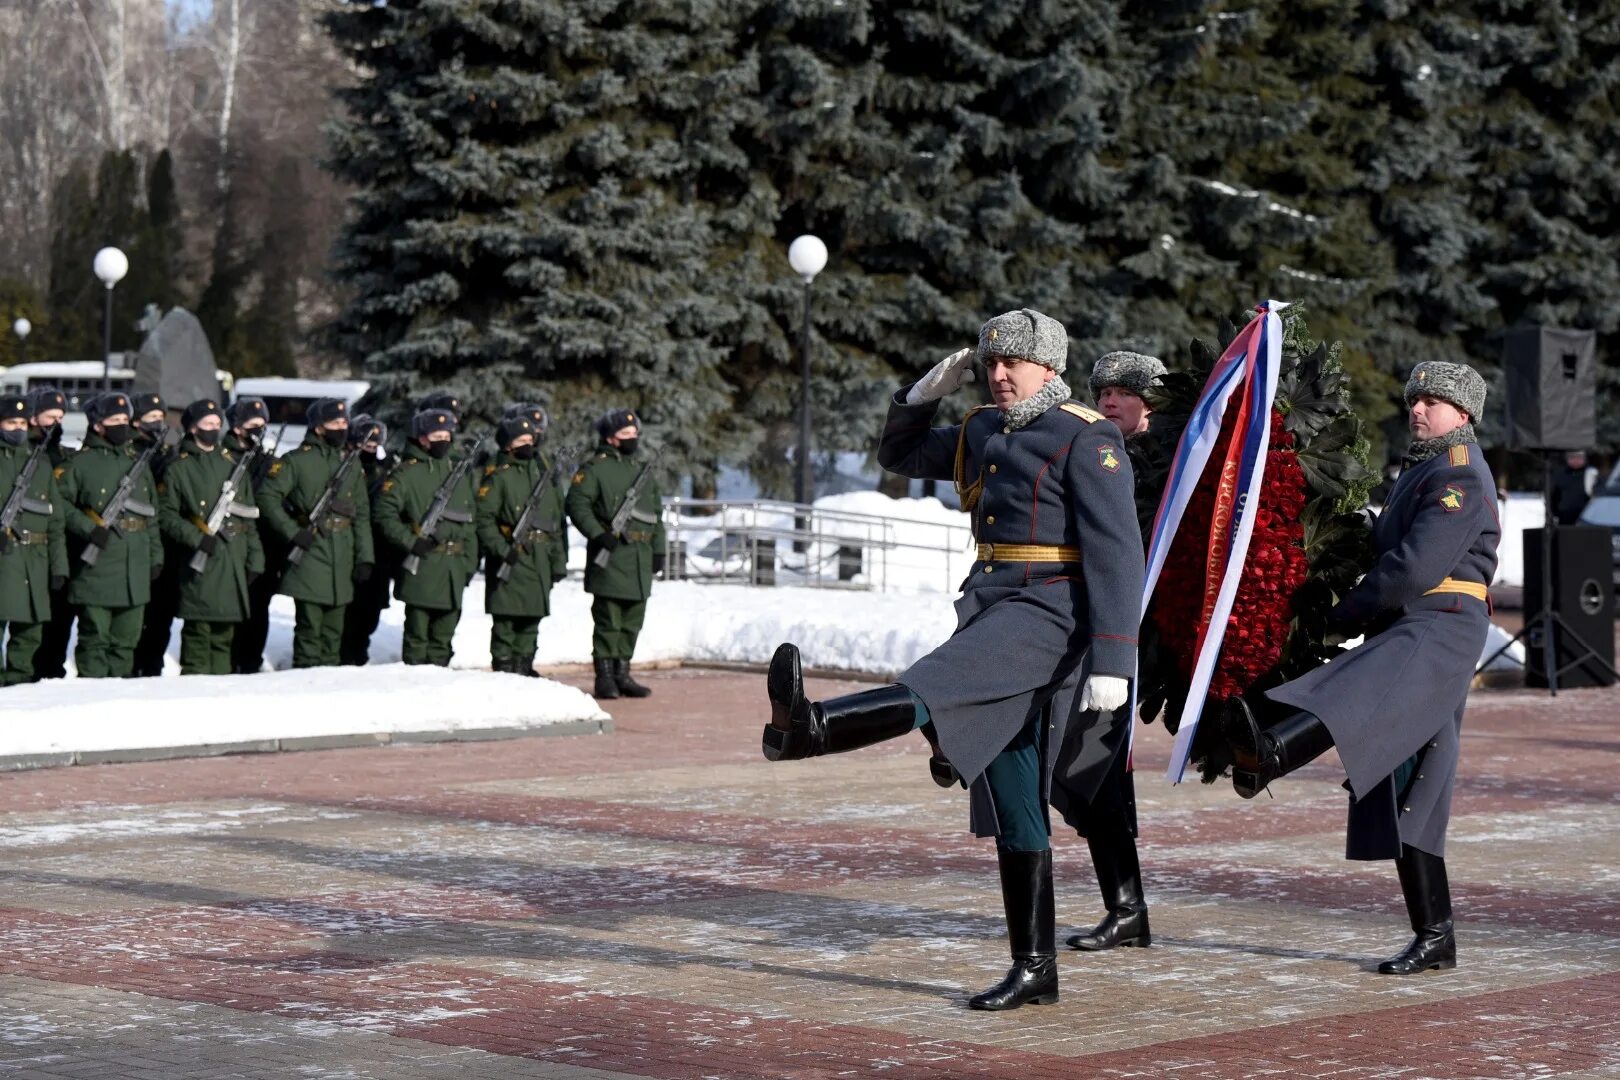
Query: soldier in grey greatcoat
[1052, 602]
[1394, 706]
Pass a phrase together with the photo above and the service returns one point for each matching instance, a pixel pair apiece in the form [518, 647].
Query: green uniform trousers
[317, 634]
[618, 623]
[50, 659]
[513, 637]
[428, 634]
[22, 641]
[1014, 776]
[107, 638]
[205, 647]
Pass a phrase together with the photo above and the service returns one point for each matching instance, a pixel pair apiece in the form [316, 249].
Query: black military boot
[628, 686]
[1119, 876]
[607, 687]
[801, 728]
[1262, 756]
[1026, 893]
[525, 667]
[1428, 904]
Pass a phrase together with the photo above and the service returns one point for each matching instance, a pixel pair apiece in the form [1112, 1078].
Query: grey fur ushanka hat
[1028, 335]
[1457, 383]
[1132, 371]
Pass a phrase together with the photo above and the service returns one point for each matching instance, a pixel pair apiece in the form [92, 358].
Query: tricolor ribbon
[1247, 370]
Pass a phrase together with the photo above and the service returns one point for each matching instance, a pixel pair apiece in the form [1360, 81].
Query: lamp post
[807, 255]
[110, 266]
[22, 328]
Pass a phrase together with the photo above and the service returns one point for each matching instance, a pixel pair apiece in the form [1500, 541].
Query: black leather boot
[1259, 757]
[628, 686]
[1428, 904]
[525, 667]
[1026, 893]
[607, 687]
[801, 728]
[1119, 876]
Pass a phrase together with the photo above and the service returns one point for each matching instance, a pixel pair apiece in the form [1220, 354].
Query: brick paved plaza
[659, 902]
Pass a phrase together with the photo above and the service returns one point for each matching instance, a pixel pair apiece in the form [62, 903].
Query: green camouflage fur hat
[1132, 371]
[1028, 335]
[1457, 383]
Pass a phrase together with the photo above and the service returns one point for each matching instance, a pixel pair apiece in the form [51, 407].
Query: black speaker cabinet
[1551, 378]
[1582, 593]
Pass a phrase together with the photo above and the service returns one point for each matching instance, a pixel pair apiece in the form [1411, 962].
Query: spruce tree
[73, 297]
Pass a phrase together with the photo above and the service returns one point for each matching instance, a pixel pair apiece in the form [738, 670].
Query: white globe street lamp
[22, 328]
[110, 266]
[808, 256]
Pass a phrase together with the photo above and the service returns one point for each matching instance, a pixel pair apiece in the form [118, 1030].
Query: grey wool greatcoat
[1025, 630]
[1400, 694]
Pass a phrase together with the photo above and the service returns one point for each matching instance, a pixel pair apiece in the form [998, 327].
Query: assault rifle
[325, 505]
[123, 500]
[226, 505]
[527, 523]
[439, 509]
[627, 511]
[20, 500]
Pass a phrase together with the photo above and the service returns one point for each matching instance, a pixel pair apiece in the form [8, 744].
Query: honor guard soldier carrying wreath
[314, 501]
[615, 504]
[111, 505]
[1393, 706]
[425, 513]
[1054, 596]
[210, 520]
[522, 530]
[33, 552]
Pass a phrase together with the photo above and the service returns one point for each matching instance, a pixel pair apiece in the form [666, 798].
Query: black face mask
[439, 450]
[250, 438]
[118, 434]
[17, 437]
[628, 446]
[206, 436]
[151, 427]
[523, 453]
[336, 438]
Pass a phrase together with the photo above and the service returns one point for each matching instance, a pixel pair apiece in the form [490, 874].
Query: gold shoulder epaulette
[1459, 455]
[1074, 408]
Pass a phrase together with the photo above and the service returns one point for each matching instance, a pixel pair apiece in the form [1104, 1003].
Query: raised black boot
[801, 728]
[1259, 757]
[628, 686]
[607, 687]
[1026, 893]
[1119, 876]
[1428, 904]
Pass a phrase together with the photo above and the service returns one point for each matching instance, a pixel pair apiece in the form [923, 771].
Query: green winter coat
[190, 487]
[542, 558]
[122, 577]
[598, 488]
[402, 503]
[36, 551]
[292, 487]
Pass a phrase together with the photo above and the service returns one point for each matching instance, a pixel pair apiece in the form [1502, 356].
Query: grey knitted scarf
[1023, 413]
[1422, 450]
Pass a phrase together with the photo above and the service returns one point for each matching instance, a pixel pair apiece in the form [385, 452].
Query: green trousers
[618, 623]
[107, 638]
[205, 647]
[1014, 776]
[22, 641]
[513, 637]
[428, 635]
[317, 634]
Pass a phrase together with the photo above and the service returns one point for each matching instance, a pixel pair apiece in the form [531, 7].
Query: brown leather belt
[638, 537]
[30, 539]
[1047, 553]
[451, 547]
[1464, 588]
[131, 523]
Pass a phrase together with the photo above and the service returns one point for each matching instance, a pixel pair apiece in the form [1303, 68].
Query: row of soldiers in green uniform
[140, 526]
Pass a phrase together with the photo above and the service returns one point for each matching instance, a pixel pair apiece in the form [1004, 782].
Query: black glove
[100, 535]
[57, 582]
[252, 576]
[5, 540]
[362, 573]
[423, 545]
[208, 544]
[608, 541]
[658, 562]
[304, 538]
[157, 571]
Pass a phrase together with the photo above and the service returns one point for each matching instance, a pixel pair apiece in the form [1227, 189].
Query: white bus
[288, 400]
[81, 380]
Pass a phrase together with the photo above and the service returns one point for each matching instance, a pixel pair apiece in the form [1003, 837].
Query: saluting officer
[1056, 591]
[447, 559]
[248, 419]
[214, 601]
[370, 596]
[33, 553]
[533, 560]
[622, 587]
[46, 407]
[1393, 706]
[337, 551]
[112, 594]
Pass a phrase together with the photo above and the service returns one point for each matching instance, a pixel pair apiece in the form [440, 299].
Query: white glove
[1104, 693]
[945, 377]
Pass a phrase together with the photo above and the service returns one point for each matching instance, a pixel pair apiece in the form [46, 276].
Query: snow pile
[1521, 511]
